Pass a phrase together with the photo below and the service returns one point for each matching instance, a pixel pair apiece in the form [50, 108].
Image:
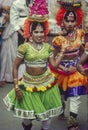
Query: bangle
[16, 86]
[60, 55]
[15, 79]
[17, 89]
[62, 50]
[66, 69]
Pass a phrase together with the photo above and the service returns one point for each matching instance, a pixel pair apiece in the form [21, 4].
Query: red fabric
[60, 15]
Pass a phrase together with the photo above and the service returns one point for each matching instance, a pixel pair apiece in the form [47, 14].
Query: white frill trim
[25, 114]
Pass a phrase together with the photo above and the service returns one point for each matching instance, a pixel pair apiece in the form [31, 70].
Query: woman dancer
[71, 82]
[36, 96]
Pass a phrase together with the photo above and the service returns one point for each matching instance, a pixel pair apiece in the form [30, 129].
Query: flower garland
[61, 12]
[27, 25]
[35, 89]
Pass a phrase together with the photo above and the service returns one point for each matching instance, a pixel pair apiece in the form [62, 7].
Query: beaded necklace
[71, 36]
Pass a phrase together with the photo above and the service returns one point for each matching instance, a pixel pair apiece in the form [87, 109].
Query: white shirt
[18, 13]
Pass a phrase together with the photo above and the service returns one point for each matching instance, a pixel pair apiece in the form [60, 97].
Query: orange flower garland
[27, 24]
[26, 28]
[61, 12]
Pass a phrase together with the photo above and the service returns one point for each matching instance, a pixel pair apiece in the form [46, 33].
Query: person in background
[3, 20]
[82, 65]
[1, 25]
[18, 13]
[9, 46]
[36, 95]
[70, 81]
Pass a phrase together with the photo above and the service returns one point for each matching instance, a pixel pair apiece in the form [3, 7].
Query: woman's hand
[19, 93]
[85, 72]
[64, 46]
[21, 32]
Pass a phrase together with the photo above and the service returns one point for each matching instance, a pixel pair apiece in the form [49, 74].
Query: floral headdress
[38, 11]
[69, 5]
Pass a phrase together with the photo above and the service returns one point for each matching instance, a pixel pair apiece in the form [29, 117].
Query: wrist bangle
[17, 89]
[66, 69]
[15, 79]
[16, 86]
[60, 55]
[62, 50]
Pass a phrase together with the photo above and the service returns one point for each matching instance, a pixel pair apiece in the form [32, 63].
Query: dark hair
[35, 24]
[67, 14]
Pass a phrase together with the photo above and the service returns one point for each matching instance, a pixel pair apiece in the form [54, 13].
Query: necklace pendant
[39, 47]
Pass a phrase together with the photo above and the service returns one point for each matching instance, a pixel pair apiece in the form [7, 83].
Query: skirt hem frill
[27, 114]
[41, 97]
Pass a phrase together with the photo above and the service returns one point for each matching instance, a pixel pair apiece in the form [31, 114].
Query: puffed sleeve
[51, 49]
[81, 34]
[21, 51]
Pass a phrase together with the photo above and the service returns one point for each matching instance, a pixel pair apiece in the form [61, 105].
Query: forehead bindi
[70, 19]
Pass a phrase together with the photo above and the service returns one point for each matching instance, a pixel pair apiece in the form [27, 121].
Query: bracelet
[15, 79]
[62, 50]
[66, 69]
[17, 88]
[60, 55]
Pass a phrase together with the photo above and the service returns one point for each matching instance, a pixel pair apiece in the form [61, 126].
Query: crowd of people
[45, 75]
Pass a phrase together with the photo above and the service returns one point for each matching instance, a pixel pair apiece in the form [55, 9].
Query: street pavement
[8, 122]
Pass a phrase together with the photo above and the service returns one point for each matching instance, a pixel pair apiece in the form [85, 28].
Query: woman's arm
[17, 62]
[82, 61]
[55, 60]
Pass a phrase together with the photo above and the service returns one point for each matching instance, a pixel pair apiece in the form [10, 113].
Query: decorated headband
[69, 5]
[38, 12]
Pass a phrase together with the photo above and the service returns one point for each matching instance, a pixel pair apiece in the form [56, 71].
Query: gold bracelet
[65, 69]
[17, 89]
[16, 86]
[60, 55]
[15, 79]
[62, 50]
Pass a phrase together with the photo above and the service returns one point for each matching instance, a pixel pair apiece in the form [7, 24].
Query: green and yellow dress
[41, 97]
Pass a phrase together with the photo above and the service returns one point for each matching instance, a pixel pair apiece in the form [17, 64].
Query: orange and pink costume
[73, 83]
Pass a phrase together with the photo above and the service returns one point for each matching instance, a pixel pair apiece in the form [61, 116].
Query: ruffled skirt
[71, 84]
[39, 103]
